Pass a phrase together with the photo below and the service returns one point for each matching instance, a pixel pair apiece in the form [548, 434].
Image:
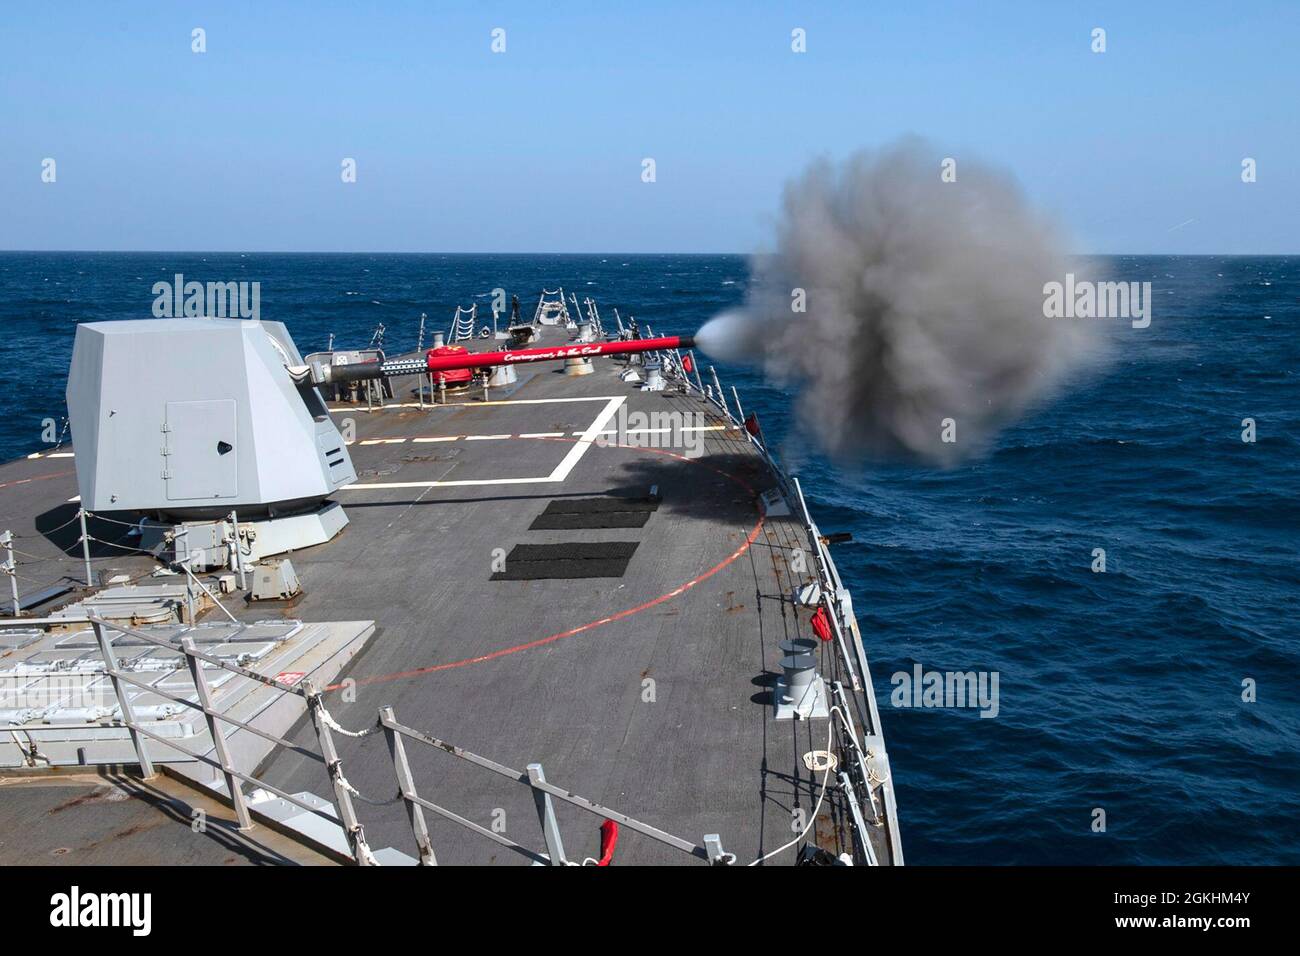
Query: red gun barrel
[444, 363]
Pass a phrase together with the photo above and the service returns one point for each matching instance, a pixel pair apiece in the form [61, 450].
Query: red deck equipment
[439, 361]
[453, 374]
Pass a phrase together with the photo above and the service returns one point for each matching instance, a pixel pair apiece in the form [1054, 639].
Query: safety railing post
[191, 602]
[717, 388]
[85, 546]
[406, 784]
[239, 552]
[828, 586]
[546, 813]
[119, 689]
[695, 364]
[352, 829]
[218, 734]
[10, 567]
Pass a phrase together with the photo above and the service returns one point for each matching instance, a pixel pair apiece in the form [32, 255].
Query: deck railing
[544, 796]
[222, 759]
[195, 659]
[855, 776]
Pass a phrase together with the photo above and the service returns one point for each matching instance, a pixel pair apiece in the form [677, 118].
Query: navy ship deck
[649, 692]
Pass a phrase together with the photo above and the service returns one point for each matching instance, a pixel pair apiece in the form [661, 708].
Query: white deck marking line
[53, 454]
[508, 401]
[434, 438]
[570, 461]
[446, 484]
[587, 439]
[665, 431]
[74, 498]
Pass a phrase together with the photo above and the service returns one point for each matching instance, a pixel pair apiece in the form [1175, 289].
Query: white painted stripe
[542, 435]
[383, 441]
[61, 454]
[448, 484]
[74, 499]
[487, 437]
[586, 439]
[438, 438]
[664, 431]
[511, 401]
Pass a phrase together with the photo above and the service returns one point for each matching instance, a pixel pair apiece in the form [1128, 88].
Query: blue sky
[539, 149]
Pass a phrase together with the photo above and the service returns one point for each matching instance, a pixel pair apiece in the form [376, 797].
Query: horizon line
[314, 252]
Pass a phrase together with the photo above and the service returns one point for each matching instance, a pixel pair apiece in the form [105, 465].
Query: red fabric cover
[608, 840]
[822, 624]
[454, 374]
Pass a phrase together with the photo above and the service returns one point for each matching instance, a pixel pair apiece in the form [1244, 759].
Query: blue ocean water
[1120, 691]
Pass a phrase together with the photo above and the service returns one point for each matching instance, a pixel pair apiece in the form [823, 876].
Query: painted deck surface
[649, 693]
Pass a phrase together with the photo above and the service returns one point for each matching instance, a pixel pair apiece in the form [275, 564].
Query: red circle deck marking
[618, 616]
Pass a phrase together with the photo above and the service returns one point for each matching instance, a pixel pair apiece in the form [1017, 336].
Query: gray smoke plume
[924, 302]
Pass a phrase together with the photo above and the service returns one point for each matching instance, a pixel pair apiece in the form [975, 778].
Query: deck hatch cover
[575, 513]
[570, 559]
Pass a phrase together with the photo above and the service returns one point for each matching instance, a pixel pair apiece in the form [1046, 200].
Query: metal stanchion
[717, 388]
[10, 567]
[356, 836]
[406, 783]
[85, 546]
[218, 734]
[239, 553]
[546, 813]
[123, 702]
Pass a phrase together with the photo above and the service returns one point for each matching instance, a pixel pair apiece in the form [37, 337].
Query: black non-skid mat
[570, 559]
[574, 513]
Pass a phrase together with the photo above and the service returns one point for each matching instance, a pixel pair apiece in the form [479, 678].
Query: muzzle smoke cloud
[923, 302]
